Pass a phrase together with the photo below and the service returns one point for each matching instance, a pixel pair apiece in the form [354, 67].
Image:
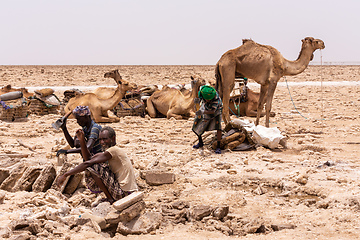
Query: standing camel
[265, 65]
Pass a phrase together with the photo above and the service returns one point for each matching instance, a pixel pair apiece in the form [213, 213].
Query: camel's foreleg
[170, 114]
[150, 108]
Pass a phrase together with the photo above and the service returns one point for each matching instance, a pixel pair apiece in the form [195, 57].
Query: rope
[322, 102]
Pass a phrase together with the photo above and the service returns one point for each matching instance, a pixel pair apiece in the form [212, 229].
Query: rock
[26, 225]
[126, 215]
[99, 220]
[4, 173]
[302, 179]
[279, 227]
[131, 212]
[201, 211]
[65, 167]
[140, 225]
[2, 196]
[254, 226]
[102, 209]
[45, 179]
[128, 200]
[180, 205]
[14, 176]
[27, 179]
[221, 212]
[73, 183]
[158, 177]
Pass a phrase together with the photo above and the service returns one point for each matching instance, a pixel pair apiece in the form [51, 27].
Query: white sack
[269, 137]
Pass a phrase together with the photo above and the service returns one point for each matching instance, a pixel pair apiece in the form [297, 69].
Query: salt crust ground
[328, 131]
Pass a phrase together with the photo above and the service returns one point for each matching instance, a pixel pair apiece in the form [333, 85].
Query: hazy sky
[152, 32]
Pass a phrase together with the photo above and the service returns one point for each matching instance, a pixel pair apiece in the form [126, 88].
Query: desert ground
[308, 190]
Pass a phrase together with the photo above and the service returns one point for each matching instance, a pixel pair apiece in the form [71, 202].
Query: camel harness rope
[322, 100]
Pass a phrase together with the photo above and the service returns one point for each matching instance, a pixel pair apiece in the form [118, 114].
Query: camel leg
[270, 95]
[263, 93]
[228, 82]
[171, 114]
[150, 108]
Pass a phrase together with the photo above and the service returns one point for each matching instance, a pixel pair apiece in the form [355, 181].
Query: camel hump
[247, 40]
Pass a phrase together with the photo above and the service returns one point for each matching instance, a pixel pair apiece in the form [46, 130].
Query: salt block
[45, 179]
[154, 177]
[27, 180]
[128, 200]
[14, 176]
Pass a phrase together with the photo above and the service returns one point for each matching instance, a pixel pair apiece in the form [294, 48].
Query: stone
[2, 196]
[26, 181]
[126, 215]
[4, 173]
[199, 212]
[102, 209]
[45, 179]
[158, 177]
[221, 212]
[15, 175]
[99, 220]
[26, 225]
[131, 212]
[143, 224]
[65, 167]
[73, 183]
[128, 200]
[279, 227]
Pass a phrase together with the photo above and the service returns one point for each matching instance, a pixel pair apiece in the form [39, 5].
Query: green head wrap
[207, 92]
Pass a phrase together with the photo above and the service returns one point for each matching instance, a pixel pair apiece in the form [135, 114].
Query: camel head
[197, 83]
[123, 84]
[314, 44]
[112, 74]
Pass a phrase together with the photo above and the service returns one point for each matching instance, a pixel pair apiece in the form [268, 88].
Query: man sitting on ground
[111, 169]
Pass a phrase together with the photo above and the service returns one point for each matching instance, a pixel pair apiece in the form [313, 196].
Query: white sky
[166, 32]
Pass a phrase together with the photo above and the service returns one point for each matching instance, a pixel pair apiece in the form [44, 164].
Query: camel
[265, 65]
[244, 107]
[172, 102]
[99, 106]
[8, 88]
[247, 108]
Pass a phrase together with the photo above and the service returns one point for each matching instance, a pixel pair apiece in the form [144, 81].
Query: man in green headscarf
[208, 118]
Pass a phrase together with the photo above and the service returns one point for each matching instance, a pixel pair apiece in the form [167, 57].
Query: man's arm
[98, 158]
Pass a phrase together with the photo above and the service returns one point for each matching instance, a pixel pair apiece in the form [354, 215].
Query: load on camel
[172, 102]
[265, 65]
[243, 100]
[99, 106]
[8, 88]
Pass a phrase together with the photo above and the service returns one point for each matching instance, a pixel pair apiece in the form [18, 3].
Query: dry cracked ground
[308, 190]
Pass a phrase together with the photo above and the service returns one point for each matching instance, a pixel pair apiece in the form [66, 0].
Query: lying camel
[8, 89]
[99, 106]
[245, 105]
[172, 102]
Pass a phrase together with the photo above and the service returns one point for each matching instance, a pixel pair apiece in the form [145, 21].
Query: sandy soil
[313, 184]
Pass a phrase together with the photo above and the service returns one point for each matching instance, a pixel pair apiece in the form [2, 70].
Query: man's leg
[103, 188]
[218, 138]
[200, 143]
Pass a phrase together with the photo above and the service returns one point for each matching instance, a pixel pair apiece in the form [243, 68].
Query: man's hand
[80, 134]
[200, 112]
[61, 151]
[61, 180]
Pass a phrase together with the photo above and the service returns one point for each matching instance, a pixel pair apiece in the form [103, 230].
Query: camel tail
[218, 84]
